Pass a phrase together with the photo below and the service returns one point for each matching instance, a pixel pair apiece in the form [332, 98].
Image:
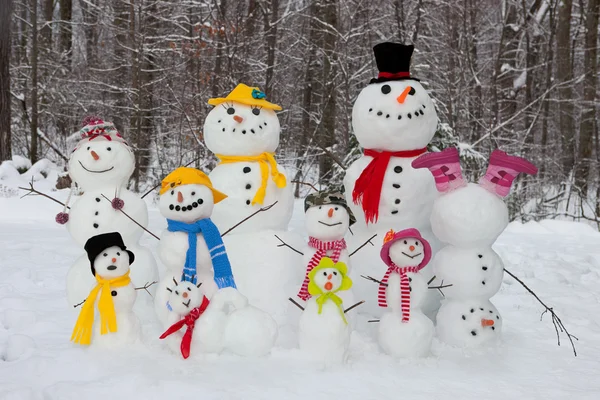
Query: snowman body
[127, 322]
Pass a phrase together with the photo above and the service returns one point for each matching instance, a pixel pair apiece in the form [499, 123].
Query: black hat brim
[381, 80]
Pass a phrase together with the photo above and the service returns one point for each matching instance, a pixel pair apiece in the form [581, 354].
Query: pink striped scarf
[337, 246]
[404, 289]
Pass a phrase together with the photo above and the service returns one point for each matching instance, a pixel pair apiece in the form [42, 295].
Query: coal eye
[88, 148]
[405, 242]
[189, 289]
[108, 148]
[118, 253]
[172, 192]
[256, 111]
[336, 208]
[320, 207]
[177, 293]
[385, 89]
[105, 255]
[324, 273]
[416, 243]
[230, 110]
[193, 193]
[335, 273]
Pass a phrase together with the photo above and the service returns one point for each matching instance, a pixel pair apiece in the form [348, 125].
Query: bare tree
[5, 106]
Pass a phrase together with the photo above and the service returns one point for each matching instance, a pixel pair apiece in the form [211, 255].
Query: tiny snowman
[113, 296]
[191, 247]
[405, 331]
[468, 218]
[324, 333]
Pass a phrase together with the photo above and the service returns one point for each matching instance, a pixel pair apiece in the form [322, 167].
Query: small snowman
[468, 218]
[113, 296]
[405, 331]
[191, 247]
[324, 333]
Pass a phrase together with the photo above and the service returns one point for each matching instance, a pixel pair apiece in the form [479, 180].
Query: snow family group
[418, 228]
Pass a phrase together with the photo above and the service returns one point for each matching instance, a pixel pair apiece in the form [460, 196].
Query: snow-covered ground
[559, 260]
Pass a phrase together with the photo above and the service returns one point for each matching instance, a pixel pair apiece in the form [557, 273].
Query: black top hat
[97, 244]
[393, 61]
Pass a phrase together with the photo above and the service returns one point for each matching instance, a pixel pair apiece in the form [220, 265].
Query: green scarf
[336, 299]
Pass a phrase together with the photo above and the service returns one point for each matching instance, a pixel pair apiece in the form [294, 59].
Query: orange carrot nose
[179, 197]
[184, 295]
[114, 260]
[95, 155]
[412, 248]
[328, 286]
[408, 90]
[238, 119]
[329, 277]
[330, 213]
[487, 322]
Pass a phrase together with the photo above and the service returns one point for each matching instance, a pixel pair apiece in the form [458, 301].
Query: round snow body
[250, 332]
[468, 323]
[394, 116]
[324, 337]
[473, 273]
[236, 129]
[469, 217]
[418, 292]
[100, 163]
[405, 339]
[327, 223]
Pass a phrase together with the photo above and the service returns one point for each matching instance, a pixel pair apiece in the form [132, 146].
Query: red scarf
[404, 289]
[367, 189]
[190, 321]
[337, 246]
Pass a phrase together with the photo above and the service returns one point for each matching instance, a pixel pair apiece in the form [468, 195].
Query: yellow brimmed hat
[189, 176]
[251, 96]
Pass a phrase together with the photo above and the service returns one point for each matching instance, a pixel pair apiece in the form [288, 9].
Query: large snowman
[393, 119]
[243, 132]
[101, 165]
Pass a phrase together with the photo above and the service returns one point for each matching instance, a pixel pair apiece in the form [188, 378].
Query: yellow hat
[189, 176]
[251, 96]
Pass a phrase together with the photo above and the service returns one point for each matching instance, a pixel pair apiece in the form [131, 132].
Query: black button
[397, 169]
[113, 293]
[96, 226]
[96, 213]
[248, 202]
[247, 169]
[98, 199]
[397, 201]
[395, 212]
[396, 185]
[484, 268]
[248, 186]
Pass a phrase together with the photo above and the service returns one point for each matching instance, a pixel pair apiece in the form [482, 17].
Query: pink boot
[445, 167]
[503, 170]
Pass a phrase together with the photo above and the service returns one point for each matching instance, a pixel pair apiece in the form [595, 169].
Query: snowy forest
[520, 75]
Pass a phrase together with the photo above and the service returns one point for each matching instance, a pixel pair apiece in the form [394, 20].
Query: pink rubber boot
[445, 167]
[503, 170]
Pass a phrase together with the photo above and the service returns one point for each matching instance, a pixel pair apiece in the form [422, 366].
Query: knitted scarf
[367, 189]
[404, 289]
[82, 332]
[337, 246]
[189, 321]
[323, 297]
[264, 160]
[216, 248]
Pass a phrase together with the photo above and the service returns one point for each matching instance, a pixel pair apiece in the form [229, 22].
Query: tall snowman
[393, 119]
[243, 132]
[101, 165]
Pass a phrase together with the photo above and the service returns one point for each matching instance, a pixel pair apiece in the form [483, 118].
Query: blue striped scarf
[216, 248]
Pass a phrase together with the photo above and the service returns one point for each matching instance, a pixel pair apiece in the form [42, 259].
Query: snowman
[113, 296]
[468, 218]
[404, 331]
[243, 132]
[393, 119]
[101, 165]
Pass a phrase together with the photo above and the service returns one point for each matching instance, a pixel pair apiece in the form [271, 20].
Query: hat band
[393, 75]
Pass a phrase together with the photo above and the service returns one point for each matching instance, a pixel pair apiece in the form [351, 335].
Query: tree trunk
[5, 134]
[271, 30]
[33, 149]
[66, 8]
[46, 31]
[588, 112]
[564, 74]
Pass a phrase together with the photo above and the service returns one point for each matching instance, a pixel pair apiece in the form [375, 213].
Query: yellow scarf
[82, 333]
[333, 297]
[264, 160]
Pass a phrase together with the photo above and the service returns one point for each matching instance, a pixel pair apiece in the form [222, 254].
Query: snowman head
[101, 157]
[405, 248]
[242, 124]
[109, 258]
[327, 215]
[328, 277]
[185, 296]
[394, 112]
[187, 195]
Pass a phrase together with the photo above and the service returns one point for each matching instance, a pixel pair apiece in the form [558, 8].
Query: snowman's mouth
[416, 255]
[95, 172]
[187, 304]
[326, 224]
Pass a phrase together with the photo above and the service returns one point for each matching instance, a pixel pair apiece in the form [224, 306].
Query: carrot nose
[412, 248]
[487, 322]
[179, 197]
[184, 295]
[238, 119]
[95, 155]
[328, 286]
[329, 277]
[114, 260]
[408, 90]
[330, 213]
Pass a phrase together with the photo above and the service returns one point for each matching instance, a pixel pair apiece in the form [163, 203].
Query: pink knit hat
[391, 237]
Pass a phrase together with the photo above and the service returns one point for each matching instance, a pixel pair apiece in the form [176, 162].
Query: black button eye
[335, 273]
[172, 192]
[385, 89]
[105, 255]
[416, 243]
[230, 110]
[88, 148]
[405, 242]
[108, 148]
[320, 207]
[324, 273]
[256, 111]
[119, 254]
[336, 208]
[193, 193]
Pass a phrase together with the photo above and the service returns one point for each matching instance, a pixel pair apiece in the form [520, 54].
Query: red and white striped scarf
[404, 289]
[337, 246]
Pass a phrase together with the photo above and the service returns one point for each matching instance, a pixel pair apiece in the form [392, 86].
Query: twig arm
[248, 217]
[353, 306]
[363, 245]
[284, 244]
[32, 190]
[370, 278]
[133, 220]
[294, 302]
[146, 286]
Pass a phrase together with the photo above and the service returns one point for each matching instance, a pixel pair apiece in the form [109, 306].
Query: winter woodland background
[521, 75]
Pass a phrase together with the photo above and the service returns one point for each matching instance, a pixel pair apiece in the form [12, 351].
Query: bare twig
[248, 217]
[332, 156]
[353, 306]
[374, 320]
[284, 244]
[146, 286]
[363, 245]
[32, 190]
[158, 184]
[431, 280]
[370, 278]
[556, 321]
[307, 184]
[137, 223]
[78, 304]
[438, 288]
[296, 303]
